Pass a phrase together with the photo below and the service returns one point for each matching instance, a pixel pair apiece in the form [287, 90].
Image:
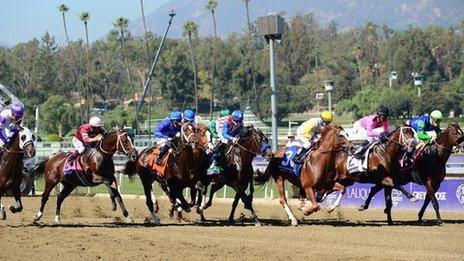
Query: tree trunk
[194, 72]
[214, 67]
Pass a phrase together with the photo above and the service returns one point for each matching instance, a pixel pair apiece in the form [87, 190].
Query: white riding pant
[78, 145]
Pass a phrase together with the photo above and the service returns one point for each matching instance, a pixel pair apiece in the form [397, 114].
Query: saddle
[73, 169]
[159, 169]
[355, 165]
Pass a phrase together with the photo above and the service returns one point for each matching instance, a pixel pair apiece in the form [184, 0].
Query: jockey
[230, 130]
[218, 123]
[87, 135]
[10, 121]
[308, 133]
[291, 140]
[165, 131]
[365, 126]
[425, 123]
[189, 116]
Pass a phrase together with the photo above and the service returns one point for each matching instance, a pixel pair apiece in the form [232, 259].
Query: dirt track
[91, 231]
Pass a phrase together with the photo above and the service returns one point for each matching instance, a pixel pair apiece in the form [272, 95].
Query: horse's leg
[113, 200]
[49, 185]
[67, 189]
[388, 204]
[314, 206]
[118, 198]
[2, 208]
[374, 190]
[280, 183]
[234, 206]
[193, 196]
[198, 203]
[147, 188]
[337, 202]
[431, 190]
[18, 207]
[214, 188]
[410, 196]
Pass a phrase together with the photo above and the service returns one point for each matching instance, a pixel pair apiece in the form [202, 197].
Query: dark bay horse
[95, 161]
[382, 166]
[431, 168]
[177, 175]
[332, 142]
[238, 169]
[11, 164]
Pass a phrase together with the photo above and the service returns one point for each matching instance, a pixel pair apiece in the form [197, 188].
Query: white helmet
[96, 122]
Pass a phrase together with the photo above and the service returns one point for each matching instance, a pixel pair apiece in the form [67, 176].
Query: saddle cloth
[74, 172]
[354, 165]
[158, 169]
[286, 163]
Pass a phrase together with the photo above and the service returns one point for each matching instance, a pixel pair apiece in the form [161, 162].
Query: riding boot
[164, 150]
[300, 156]
[359, 154]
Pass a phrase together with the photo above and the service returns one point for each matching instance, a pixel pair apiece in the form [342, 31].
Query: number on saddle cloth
[287, 164]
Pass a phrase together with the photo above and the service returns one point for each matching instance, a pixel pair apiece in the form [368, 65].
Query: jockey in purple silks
[10, 122]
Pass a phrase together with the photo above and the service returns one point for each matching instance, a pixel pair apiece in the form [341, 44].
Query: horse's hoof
[414, 199]
[294, 222]
[439, 222]
[57, 220]
[258, 224]
[14, 209]
[129, 220]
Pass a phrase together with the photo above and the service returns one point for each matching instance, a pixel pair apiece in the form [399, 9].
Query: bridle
[119, 145]
[245, 149]
[403, 141]
[345, 147]
[455, 140]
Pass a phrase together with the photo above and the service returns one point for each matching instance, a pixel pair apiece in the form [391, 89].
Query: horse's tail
[39, 169]
[261, 178]
[130, 168]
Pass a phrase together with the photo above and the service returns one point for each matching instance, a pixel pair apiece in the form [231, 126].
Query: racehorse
[430, 168]
[315, 173]
[11, 164]
[381, 166]
[238, 170]
[177, 173]
[95, 161]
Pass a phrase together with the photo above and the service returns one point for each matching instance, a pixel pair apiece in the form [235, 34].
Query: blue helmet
[189, 115]
[175, 116]
[237, 115]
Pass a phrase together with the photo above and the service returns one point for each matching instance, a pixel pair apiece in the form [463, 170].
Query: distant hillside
[398, 14]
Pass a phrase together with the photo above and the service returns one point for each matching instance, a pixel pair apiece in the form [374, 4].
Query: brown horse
[382, 163]
[176, 176]
[431, 168]
[333, 141]
[11, 164]
[238, 170]
[95, 161]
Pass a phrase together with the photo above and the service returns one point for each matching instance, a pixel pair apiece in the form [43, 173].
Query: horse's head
[403, 136]
[334, 137]
[27, 142]
[254, 140]
[189, 135]
[451, 136]
[118, 141]
[204, 135]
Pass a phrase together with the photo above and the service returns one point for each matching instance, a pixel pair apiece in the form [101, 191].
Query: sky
[23, 20]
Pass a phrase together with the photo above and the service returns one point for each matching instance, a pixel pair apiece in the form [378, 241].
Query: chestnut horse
[95, 161]
[431, 168]
[332, 142]
[11, 165]
[238, 170]
[382, 166]
[177, 174]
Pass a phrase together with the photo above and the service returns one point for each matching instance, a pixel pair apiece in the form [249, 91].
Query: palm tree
[85, 16]
[211, 6]
[250, 59]
[121, 23]
[63, 9]
[191, 30]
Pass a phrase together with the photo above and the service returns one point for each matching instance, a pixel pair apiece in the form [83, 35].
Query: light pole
[418, 81]
[393, 76]
[271, 28]
[329, 88]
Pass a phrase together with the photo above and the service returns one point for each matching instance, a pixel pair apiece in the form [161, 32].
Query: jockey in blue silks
[165, 131]
[230, 130]
[10, 122]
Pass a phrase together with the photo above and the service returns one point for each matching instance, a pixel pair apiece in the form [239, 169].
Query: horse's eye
[23, 137]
